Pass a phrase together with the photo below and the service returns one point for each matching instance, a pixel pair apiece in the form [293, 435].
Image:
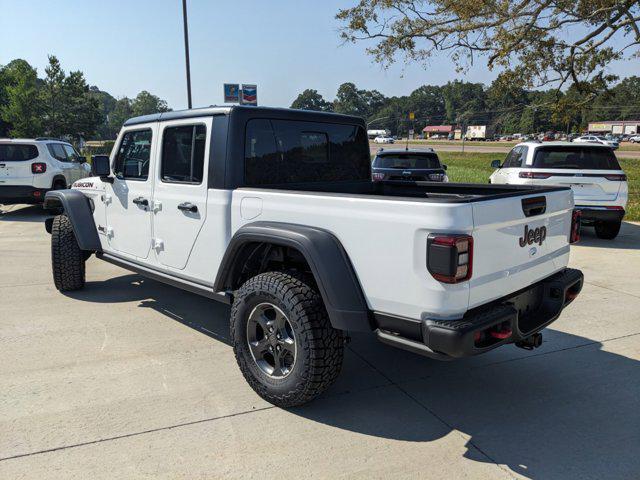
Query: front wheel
[67, 260]
[283, 341]
[607, 230]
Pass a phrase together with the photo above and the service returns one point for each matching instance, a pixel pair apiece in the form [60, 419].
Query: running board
[164, 278]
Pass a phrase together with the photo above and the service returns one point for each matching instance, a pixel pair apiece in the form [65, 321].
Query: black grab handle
[534, 206]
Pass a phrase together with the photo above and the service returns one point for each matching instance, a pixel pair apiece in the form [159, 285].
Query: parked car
[592, 171]
[408, 166]
[597, 139]
[29, 168]
[383, 139]
[634, 139]
[224, 202]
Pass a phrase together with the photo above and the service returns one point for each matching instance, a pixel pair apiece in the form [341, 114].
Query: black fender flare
[78, 208]
[329, 262]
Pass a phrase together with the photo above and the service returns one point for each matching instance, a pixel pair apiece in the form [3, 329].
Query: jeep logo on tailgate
[533, 236]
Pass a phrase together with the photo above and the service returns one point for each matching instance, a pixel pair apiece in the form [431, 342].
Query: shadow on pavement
[22, 213]
[197, 312]
[627, 239]
[549, 415]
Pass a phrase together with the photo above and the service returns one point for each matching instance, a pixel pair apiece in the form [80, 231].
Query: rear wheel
[283, 341]
[67, 260]
[607, 230]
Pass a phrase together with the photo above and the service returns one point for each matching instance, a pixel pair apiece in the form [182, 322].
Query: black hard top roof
[272, 112]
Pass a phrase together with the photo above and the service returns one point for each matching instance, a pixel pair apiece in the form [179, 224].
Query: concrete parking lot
[129, 378]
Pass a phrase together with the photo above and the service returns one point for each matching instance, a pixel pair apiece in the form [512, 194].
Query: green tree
[146, 103]
[53, 98]
[120, 113]
[82, 113]
[20, 108]
[465, 102]
[362, 103]
[311, 100]
[537, 42]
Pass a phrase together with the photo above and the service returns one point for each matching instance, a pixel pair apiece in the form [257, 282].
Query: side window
[71, 153]
[132, 158]
[513, 159]
[522, 159]
[57, 152]
[183, 154]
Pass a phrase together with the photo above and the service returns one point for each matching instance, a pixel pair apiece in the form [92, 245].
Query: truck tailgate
[513, 249]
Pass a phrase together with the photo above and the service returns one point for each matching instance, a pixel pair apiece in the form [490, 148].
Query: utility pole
[186, 51]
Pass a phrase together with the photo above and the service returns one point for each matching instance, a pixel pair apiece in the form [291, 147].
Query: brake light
[450, 257]
[537, 175]
[377, 177]
[574, 236]
[38, 167]
[616, 177]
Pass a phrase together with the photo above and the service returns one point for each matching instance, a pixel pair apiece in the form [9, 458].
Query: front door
[180, 193]
[128, 199]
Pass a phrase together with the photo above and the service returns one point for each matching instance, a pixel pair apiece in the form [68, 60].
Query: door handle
[188, 207]
[141, 201]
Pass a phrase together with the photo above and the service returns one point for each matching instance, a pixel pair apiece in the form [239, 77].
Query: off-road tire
[320, 347]
[67, 260]
[607, 230]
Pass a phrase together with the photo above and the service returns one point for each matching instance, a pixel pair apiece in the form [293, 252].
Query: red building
[441, 130]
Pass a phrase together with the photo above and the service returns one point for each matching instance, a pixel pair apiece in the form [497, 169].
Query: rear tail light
[574, 236]
[616, 177]
[377, 177]
[537, 175]
[38, 167]
[450, 257]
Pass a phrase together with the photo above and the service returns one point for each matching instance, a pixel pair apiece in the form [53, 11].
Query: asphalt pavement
[130, 378]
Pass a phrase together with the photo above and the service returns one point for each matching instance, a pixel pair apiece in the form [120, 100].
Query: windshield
[16, 152]
[585, 158]
[408, 161]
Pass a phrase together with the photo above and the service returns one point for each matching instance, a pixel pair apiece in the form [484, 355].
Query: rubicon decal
[83, 184]
[531, 236]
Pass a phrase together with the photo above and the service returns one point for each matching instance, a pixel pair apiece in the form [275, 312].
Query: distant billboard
[231, 93]
[249, 94]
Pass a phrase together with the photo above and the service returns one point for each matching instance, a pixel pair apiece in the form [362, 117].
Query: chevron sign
[249, 94]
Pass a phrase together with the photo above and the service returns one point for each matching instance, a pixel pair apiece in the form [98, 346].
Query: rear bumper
[507, 320]
[10, 194]
[590, 214]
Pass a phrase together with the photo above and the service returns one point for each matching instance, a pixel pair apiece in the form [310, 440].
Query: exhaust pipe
[530, 342]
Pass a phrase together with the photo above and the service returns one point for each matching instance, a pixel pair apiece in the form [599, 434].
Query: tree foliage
[63, 105]
[310, 99]
[534, 42]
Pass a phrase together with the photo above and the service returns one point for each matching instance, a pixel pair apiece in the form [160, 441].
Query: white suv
[383, 139]
[29, 168]
[592, 171]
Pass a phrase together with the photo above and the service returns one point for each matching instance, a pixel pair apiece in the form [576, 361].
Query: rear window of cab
[17, 152]
[576, 158]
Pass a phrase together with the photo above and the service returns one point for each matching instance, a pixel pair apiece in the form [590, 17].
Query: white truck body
[506, 241]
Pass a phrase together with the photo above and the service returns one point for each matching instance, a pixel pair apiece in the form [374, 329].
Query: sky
[283, 46]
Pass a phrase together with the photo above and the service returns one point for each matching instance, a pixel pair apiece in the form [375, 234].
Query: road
[479, 147]
[130, 378]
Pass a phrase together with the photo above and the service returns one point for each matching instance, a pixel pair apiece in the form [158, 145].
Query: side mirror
[82, 159]
[496, 164]
[100, 166]
[444, 166]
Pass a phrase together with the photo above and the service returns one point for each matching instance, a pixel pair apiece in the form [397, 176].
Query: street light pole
[186, 50]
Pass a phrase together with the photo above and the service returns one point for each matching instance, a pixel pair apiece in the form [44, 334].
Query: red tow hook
[502, 334]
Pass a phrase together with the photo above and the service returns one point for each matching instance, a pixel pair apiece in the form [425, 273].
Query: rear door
[128, 199]
[180, 195]
[77, 169]
[511, 165]
[518, 241]
[15, 163]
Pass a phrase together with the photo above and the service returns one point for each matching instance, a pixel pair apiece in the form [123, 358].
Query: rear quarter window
[17, 152]
[287, 151]
[576, 158]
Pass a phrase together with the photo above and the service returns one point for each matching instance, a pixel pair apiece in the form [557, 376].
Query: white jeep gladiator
[274, 212]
